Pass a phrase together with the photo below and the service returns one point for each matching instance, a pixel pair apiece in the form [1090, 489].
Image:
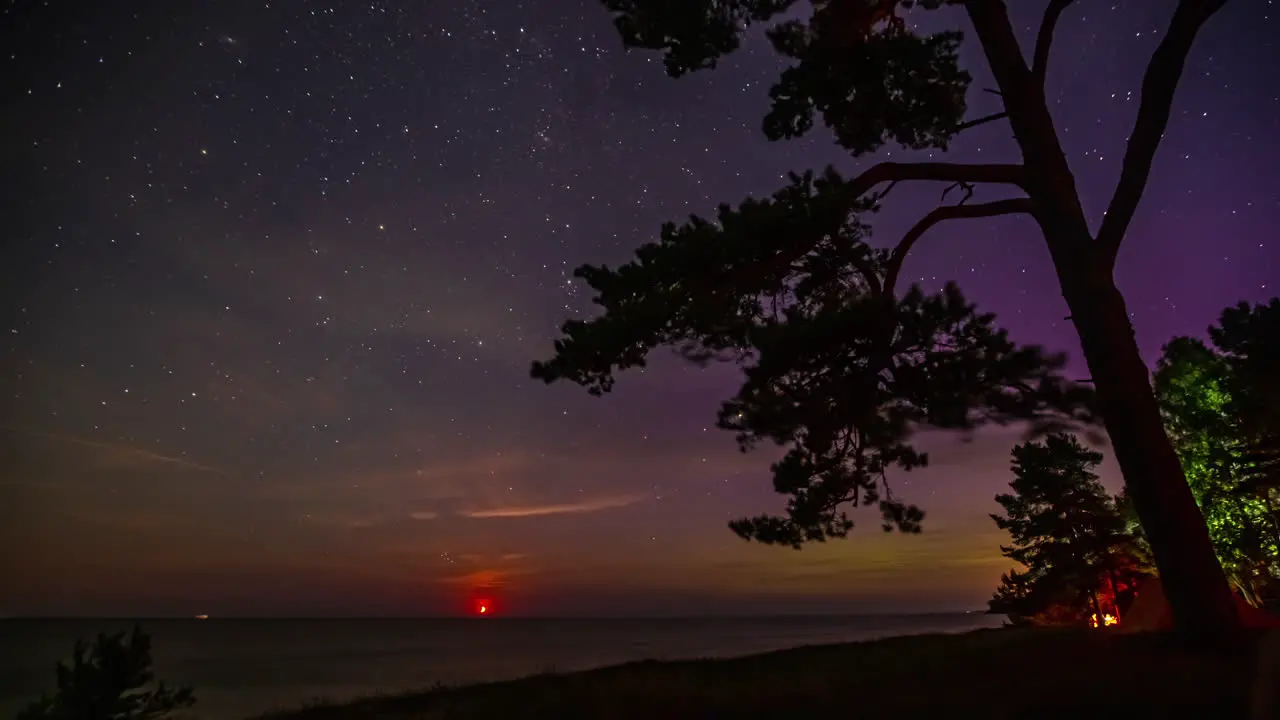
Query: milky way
[276, 273]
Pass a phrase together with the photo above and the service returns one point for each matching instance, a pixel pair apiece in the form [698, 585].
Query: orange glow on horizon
[482, 607]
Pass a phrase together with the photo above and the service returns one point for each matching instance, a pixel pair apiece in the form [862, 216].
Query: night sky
[275, 272]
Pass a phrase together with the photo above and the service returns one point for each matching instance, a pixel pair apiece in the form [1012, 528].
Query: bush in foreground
[108, 680]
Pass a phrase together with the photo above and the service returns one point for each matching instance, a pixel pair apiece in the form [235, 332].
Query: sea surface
[240, 668]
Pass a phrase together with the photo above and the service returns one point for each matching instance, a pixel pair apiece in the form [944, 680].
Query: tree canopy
[1248, 339]
[1067, 532]
[1218, 404]
[855, 64]
[837, 368]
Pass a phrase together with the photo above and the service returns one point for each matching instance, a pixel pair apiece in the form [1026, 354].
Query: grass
[986, 674]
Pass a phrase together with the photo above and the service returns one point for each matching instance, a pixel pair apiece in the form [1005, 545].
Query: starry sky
[275, 272]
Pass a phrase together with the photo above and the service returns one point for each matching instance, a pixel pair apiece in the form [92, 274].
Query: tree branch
[991, 24]
[1044, 39]
[965, 188]
[868, 273]
[1029, 117]
[1158, 87]
[1011, 206]
[885, 193]
[893, 172]
[982, 121]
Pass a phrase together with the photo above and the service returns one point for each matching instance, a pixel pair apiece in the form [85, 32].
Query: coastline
[993, 673]
[242, 667]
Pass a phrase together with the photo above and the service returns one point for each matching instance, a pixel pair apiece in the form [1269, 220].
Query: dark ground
[985, 674]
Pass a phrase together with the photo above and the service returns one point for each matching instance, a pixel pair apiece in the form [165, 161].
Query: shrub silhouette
[108, 680]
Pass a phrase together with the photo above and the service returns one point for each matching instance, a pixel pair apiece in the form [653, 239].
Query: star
[377, 383]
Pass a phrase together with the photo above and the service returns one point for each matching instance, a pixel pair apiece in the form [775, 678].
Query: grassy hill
[1032, 674]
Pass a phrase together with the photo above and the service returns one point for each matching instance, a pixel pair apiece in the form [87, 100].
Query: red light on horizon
[482, 607]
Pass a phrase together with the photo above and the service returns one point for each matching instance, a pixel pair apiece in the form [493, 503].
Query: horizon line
[727, 616]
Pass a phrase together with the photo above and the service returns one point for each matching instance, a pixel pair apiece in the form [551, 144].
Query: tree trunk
[1097, 609]
[1193, 580]
[1249, 594]
[1115, 593]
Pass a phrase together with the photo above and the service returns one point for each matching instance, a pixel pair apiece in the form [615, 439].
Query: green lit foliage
[1133, 526]
[1067, 532]
[1248, 338]
[109, 680]
[1192, 386]
[1219, 406]
[837, 368]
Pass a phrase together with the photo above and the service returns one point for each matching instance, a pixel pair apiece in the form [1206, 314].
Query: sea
[242, 668]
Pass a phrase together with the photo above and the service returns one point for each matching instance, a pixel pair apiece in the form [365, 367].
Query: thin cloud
[358, 523]
[488, 559]
[586, 506]
[347, 522]
[113, 454]
[486, 578]
[423, 515]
